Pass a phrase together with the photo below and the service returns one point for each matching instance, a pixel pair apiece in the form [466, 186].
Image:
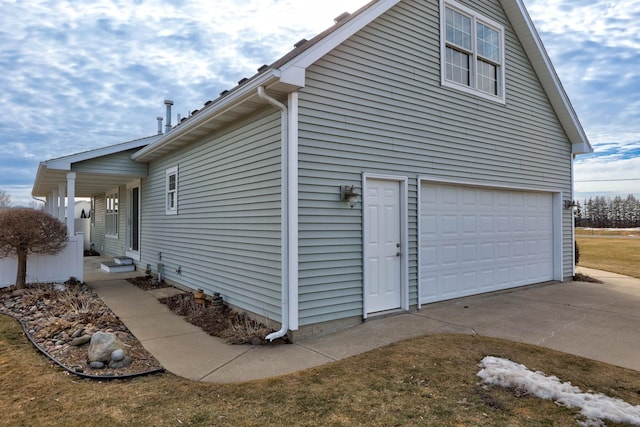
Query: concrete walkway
[597, 321]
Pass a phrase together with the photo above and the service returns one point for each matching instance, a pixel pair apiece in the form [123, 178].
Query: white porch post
[54, 203]
[61, 194]
[71, 202]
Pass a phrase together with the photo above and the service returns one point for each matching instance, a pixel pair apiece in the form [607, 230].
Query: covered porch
[91, 174]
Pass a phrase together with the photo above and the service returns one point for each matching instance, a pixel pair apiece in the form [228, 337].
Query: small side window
[111, 221]
[171, 191]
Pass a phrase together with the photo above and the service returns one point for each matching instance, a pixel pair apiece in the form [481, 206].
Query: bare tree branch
[27, 231]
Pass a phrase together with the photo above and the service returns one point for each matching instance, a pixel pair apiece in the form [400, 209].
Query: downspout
[284, 120]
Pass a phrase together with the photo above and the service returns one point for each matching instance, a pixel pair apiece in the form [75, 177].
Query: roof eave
[234, 98]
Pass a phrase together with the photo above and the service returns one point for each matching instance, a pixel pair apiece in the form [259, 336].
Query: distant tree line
[606, 212]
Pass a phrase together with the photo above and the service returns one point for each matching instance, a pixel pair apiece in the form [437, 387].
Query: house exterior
[416, 151]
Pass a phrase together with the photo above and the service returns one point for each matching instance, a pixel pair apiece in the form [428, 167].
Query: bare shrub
[27, 231]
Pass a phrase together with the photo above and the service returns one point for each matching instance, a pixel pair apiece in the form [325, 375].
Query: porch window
[171, 190]
[111, 214]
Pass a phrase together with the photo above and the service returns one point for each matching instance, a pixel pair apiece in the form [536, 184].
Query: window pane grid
[111, 214]
[171, 191]
[488, 42]
[457, 66]
[458, 29]
[473, 50]
[487, 77]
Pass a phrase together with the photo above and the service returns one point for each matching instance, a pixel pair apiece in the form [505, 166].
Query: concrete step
[114, 267]
[123, 260]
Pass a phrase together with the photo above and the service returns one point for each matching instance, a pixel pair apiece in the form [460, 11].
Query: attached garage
[478, 239]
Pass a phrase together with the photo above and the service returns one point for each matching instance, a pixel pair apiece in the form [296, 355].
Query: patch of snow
[594, 407]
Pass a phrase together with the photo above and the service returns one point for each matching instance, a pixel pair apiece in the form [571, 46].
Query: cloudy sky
[82, 74]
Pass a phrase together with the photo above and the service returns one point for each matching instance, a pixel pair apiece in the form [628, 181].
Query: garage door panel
[475, 240]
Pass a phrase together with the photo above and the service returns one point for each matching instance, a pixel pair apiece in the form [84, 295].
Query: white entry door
[383, 251]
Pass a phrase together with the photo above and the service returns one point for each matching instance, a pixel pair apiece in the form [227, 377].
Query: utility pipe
[284, 120]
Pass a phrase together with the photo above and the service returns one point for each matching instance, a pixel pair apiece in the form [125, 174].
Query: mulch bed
[54, 315]
[212, 315]
[579, 277]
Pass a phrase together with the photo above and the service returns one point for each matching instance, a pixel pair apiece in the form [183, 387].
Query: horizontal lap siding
[226, 236]
[375, 105]
[97, 223]
[113, 164]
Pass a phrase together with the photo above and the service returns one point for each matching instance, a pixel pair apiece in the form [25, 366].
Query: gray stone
[120, 364]
[96, 365]
[80, 340]
[118, 355]
[102, 345]
[78, 333]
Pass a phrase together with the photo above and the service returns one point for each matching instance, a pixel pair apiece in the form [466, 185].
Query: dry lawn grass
[581, 231]
[618, 255]
[428, 381]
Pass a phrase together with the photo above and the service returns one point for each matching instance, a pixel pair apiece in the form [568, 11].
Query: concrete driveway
[597, 321]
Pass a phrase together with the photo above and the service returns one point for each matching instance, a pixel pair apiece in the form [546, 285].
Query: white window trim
[110, 194]
[171, 210]
[500, 97]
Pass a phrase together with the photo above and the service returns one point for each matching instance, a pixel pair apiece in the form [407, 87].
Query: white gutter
[289, 191]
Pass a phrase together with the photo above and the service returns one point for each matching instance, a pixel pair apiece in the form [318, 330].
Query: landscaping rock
[102, 345]
[80, 340]
[117, 355]
[126, 361]
[96, 365]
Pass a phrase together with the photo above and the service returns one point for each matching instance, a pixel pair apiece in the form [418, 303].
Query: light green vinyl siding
[110, 245]
[113, 164]
[226, 236]
[97, 223]
[375, 105]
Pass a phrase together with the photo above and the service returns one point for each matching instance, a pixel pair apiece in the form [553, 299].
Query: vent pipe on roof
[159, 119]
[167, 127]
[342, 17]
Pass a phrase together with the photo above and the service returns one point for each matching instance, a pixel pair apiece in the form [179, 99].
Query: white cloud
[81, 74]
[608, 175]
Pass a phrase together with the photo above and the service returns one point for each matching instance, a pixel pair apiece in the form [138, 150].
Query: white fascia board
[581, 148]
[314, 53]
[528, 35]
[233, 98]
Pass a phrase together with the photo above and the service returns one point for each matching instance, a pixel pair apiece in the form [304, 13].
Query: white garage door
[475, 240]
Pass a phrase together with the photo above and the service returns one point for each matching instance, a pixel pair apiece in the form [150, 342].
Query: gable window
[111, 214]
[472, 51]
[171, 191]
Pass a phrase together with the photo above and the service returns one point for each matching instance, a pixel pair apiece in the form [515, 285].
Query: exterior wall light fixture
[349, 194]
[570, 204]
